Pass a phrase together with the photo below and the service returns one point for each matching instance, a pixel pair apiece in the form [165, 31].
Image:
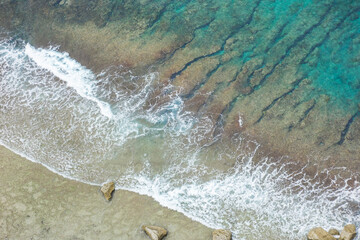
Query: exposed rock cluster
[319, 234]
[348, 233]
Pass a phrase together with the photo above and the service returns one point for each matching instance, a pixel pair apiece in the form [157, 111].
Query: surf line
[72, 72]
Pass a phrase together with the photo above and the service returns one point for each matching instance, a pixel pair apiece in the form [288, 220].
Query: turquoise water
[135, 128]
[334, 65]
[320, 38]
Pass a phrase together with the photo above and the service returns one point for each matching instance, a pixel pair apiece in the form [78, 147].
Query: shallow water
[109, 125]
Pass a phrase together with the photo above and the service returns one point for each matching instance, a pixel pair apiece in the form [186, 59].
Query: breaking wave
[114, 124]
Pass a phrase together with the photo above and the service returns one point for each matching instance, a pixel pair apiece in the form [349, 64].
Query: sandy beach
[242, 115]
[36, 203]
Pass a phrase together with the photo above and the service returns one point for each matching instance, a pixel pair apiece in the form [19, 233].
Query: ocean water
[115, 125]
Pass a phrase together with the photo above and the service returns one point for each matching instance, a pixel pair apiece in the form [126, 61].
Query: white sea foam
[252, 200]
[70, 71]
[240, 121]
[95, 127]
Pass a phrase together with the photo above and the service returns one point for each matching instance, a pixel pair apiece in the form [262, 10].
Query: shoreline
[41, 204]
[242, 92]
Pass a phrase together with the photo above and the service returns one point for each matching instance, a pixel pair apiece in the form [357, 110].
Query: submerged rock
[319, 234]
[107, 189]
[221, 234]
[155, 232]
[348, 233]
[333, 231]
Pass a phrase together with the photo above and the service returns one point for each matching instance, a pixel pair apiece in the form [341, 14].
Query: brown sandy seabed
[97, 47]
[304, 131]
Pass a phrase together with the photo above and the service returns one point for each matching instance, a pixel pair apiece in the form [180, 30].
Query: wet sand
[36, 203]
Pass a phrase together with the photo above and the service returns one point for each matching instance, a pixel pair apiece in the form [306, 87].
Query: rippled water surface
[166, 90]
[107, 125]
